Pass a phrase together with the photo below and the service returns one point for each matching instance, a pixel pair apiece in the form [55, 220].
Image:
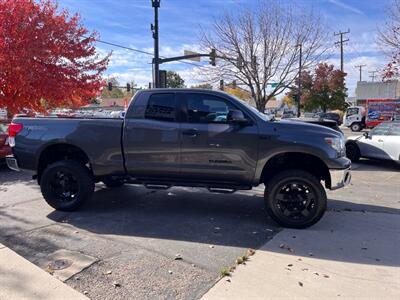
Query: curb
[20, 279]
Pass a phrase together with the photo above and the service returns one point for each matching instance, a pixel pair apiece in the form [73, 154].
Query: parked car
[288, 114]
[323, 122]
[4, 146]
[330, 116]
[185, 137]
[382, 142]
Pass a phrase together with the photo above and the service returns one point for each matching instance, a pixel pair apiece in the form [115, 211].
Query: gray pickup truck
[185, 137]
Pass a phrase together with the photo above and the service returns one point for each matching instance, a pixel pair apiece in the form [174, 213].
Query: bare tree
[389, 39]
[262, 46]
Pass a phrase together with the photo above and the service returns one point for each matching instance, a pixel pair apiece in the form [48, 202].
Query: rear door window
[161, 107]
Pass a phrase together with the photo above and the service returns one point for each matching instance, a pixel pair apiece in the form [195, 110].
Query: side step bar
[153, 186]
[221, 190]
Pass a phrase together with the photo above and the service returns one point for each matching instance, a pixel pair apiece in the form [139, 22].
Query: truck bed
[100, 139]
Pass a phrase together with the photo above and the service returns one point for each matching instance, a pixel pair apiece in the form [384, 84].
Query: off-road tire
[275, 186]
[83, 181]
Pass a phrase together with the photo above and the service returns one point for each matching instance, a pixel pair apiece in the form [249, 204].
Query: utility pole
[154, 29]
[299, 87]
[360, 68]
[373, 74]
[341, 41]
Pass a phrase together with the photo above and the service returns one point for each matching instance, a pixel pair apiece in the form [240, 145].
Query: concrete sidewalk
[347, 255]
[20, 279]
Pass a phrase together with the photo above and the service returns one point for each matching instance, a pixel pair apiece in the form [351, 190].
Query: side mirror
[366, 135]
[237, 117]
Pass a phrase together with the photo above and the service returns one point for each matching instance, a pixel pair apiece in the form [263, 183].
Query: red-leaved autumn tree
[323, 89]
[47, 58]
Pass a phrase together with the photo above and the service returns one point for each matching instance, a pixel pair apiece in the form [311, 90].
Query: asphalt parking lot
[134, 234]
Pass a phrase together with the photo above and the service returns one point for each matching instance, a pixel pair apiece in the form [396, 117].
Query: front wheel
[355, 127]
[66, 185]
[295, 199]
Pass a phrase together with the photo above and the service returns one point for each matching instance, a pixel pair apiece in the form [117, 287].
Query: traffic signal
[295, 98]
[213, 56]
[163, 78]
[128, 87]
[110, 86]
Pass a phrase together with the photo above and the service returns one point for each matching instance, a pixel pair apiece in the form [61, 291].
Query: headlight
[336, 143]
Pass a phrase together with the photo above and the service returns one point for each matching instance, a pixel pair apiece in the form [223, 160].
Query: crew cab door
[151, 138]
[212, 148]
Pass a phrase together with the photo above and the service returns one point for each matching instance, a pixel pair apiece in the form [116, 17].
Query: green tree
[115, 93]
[323, 89]
[174, 80]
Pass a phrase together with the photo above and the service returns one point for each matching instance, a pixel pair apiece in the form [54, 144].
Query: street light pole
[154, 27]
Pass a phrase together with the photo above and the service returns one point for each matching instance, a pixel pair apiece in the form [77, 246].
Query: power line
[137, 50]
[123, 47]
[360, 68]
[341, 41]
[373, 74]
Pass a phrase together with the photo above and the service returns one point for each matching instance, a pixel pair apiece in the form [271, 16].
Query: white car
[382, 142]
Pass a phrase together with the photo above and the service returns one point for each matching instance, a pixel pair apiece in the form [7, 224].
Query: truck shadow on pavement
[9, 177]
[176, 214]
[237, 220]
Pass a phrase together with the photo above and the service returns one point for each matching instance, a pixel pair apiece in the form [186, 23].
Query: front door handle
[380, 141]
[191, 132]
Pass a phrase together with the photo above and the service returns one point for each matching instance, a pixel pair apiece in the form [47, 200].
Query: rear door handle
[380, 141]
[191, 132]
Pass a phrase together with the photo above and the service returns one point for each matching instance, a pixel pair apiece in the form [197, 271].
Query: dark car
[318, 121]
[4, 146]
[288, 114]
[330, 116]
[185, 137]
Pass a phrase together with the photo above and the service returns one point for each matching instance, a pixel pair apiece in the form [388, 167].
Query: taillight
[13, 130]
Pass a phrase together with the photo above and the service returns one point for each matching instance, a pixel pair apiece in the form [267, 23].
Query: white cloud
[346, 6]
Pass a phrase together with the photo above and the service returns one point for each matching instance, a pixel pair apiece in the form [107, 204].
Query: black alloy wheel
[66, 185]
[295, 199]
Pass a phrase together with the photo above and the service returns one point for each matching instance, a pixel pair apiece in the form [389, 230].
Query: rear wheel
[353, 152]
[355, 127]
[66, 185]
[295, 199]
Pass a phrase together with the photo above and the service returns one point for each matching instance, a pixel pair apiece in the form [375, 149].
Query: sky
[127, 22]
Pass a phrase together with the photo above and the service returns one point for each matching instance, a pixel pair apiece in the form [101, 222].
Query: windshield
[395, 129]
[352, 111]
[381, 129]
